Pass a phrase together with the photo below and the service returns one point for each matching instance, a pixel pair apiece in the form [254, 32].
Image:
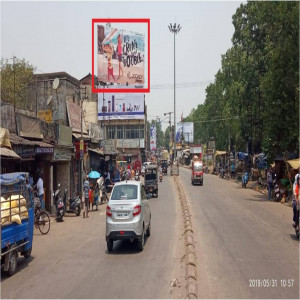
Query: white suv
[128, 214]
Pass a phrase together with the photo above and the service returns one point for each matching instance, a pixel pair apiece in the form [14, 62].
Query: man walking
[86, 188]
[40, 188]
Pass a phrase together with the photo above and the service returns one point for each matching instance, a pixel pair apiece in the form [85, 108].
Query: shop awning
[220, 152]
[294, 163]
[5, 152]
[78, 136]
[98, 151]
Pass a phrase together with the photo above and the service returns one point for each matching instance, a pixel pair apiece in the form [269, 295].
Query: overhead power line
[181, 85]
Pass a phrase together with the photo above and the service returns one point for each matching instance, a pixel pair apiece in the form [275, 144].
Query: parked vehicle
[151, 180]
[72, 205]
[103, 194]
[164, 166]
[245, 179]
[128, 214]
[197, 171]
[145, 164]
[59, 204]
[17, 219]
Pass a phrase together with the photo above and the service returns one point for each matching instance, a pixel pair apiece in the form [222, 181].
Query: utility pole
[14, 84]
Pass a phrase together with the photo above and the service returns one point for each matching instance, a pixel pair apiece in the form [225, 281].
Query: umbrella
[94, 174]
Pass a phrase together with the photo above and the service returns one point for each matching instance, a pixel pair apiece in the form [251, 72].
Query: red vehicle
[197, 172]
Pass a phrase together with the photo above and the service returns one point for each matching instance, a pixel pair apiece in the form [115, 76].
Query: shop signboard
[44, 150]
[74, 115]
[130, 143]
[121, 106]
[121, 56]
[64, 154]
[64, 135]
[45, 115]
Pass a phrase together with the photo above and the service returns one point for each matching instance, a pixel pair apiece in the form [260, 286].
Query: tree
[16, 79]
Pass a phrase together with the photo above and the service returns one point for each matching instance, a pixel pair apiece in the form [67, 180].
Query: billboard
[121, 56]
[153, 138]
[185, 131]
[74, 115]
[121, 106]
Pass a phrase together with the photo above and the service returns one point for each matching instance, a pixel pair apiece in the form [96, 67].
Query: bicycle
[41, 217]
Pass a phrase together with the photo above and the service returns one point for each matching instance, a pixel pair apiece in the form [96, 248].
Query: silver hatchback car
[128, 214]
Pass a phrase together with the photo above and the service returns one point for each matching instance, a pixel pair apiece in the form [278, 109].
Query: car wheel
[27, 253]
[110, 245]
[148, 231]
[156, 194]
[141, 242]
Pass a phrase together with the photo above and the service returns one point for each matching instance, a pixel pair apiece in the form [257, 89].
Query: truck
[165, 155]
[17, 220]
[197, 171]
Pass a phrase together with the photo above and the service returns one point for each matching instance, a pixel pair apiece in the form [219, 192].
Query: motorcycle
[59, 203]
[73, 204]
[245, 179]
[103, 195]
[160, 177]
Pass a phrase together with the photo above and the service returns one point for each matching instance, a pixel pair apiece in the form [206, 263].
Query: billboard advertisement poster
[153, 138]
[121, 54]
[121, 106]
[185, 131]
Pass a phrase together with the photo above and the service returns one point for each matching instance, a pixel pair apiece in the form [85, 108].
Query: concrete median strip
[190, 254]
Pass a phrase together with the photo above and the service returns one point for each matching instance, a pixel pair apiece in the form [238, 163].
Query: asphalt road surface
[246, 246]
[71, 261]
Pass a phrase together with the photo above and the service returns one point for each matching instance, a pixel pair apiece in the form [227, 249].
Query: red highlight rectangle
[110, 90]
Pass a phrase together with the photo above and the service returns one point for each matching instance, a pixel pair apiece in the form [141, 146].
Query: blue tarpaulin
[12, 178]
[243, 156]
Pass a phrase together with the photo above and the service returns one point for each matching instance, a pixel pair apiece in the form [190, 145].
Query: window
[142, 131]
[111, 132]
[124, 192]
[120, 131]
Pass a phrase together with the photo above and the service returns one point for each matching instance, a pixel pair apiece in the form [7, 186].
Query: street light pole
[174, 29]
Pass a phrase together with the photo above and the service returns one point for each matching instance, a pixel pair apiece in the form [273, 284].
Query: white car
[128, 214]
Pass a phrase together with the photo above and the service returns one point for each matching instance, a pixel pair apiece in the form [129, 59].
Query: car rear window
[124, 192]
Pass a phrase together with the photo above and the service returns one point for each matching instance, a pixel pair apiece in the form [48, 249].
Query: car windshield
[124, 192]
[198, 167]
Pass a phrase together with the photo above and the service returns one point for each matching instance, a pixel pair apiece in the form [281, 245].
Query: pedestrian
[91, 196]
[30, 178]
[296, 201]
[232, 170]
[86, 187]
[40, 189]
[270, 182]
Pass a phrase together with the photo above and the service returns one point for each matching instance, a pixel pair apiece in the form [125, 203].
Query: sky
[56, 36]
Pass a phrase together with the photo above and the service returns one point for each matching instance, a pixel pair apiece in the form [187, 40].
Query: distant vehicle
[144, 167]
[128, 214]
[197, 171]
[151, 180]
[164, 165]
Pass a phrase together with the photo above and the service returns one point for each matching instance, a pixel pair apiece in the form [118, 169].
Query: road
[241, 239]
[244, 245]
[71, 261]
